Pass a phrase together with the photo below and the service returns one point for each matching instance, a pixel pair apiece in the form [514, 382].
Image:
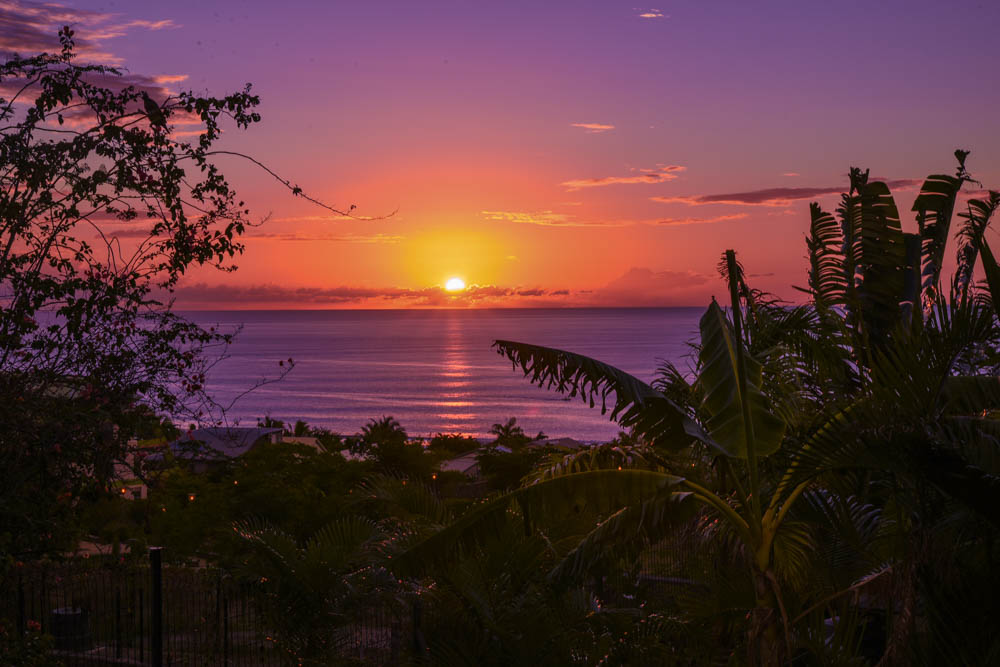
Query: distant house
[205, 448]
[465, 464]
[138, 452]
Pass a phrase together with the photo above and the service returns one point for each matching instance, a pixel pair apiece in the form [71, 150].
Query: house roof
[461, 464]
[219, 442]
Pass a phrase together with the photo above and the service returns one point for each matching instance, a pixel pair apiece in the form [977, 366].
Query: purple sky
[550, 147]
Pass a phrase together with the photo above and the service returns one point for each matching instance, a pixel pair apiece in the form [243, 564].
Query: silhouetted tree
[87, 331]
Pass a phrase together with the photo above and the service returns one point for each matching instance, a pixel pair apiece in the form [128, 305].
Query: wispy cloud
[901, 183]
[593, 128]
[170, 78]
[791, 174]
[30, 27]
[124, 231]
[551, 219]
[652, 13]
[548, 219]
[317, 238]
[317, 218]
[701, 221]
[660, 174]
[776, 196]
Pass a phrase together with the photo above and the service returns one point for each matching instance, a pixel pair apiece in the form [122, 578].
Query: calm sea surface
[434, 371]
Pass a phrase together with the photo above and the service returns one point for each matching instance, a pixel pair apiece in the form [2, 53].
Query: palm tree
[807, 432]
[383, 432]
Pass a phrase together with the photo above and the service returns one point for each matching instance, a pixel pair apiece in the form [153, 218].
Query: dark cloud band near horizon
[639, 286]
[203, 293]
[776, 196]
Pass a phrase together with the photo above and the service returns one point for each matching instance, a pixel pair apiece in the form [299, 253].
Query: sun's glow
[455, 285]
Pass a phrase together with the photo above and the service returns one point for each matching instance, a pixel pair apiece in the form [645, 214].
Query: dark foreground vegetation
[823, 477]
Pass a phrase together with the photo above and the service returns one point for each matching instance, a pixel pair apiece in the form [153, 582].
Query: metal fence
[103, 612]
[107, 612]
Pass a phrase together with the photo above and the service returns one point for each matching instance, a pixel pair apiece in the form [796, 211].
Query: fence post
[142, 630]
[419, 645]
[156, 602]
[225, 630]
[20, 605]
[118, 622]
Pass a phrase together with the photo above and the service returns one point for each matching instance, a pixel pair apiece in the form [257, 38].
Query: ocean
[433, 370]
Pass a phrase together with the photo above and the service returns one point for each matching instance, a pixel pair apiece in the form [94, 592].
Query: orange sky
[577, 153]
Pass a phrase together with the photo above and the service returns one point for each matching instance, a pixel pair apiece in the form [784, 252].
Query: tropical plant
[510, 434]
[823, 445]
[386, 442]
[315, 589]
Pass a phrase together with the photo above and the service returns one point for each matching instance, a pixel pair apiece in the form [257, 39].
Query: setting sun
[455, 285]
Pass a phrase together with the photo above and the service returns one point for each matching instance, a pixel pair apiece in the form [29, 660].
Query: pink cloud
[640, 286]
[547, 219]
[29, 27]
[342, 238]
[701, 221]
[660, 174]
[593, 128]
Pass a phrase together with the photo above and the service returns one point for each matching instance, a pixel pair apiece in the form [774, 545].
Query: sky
[557, 153]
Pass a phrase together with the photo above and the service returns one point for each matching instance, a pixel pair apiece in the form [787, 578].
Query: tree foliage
[835, 452]
[105, 203]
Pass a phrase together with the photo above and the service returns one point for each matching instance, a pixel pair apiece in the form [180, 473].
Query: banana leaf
[723, 402]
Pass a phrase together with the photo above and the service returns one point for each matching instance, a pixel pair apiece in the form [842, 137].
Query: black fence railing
[104, 612]
[141, 612]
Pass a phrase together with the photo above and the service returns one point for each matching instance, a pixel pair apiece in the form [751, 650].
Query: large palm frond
[723, 400]
[934, 206]
[638, 406]
[882, 260]
[607, 456]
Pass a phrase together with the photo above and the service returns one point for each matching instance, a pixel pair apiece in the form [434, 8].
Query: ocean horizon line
[430, 309]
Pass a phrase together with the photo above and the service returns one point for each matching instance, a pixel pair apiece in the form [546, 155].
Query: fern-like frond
[600, 491]
[637, 406]
[674, 384]
[624, 534]
[970, 236]
[410, 500]
[609, 456]
[341, 544]
[828, 273]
